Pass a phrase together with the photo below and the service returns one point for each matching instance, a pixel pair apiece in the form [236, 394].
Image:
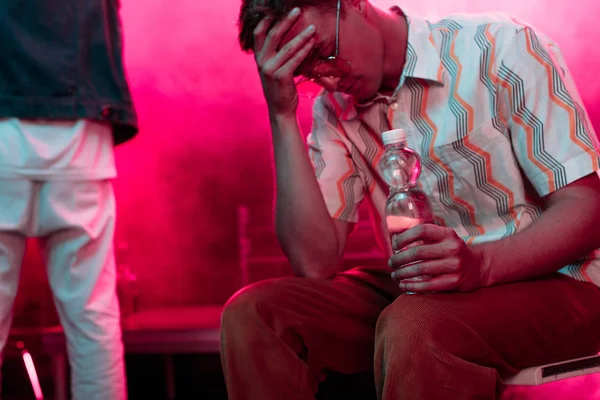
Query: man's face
[360, 44]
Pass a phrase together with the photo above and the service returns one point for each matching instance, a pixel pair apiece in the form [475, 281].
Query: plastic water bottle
[407, 205]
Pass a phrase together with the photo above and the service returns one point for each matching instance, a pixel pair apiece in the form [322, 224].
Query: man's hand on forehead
[278, 61]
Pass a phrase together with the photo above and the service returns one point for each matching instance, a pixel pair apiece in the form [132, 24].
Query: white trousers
[75, 223]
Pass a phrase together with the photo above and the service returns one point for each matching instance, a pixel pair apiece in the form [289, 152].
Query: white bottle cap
[393, 136]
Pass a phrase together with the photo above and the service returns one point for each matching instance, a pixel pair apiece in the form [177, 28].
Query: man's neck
[394, 29]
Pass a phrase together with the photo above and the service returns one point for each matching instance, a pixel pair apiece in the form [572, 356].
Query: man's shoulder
[496, 24]
[496, 27]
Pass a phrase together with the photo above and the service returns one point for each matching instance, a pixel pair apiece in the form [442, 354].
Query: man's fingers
[274, 36]
[420, 252]
[424, 232]
[440, 283]
[260, 34]
[287, 70]
[430, 268]
[289, 58]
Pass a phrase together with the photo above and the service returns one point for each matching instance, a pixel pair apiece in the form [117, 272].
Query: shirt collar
[422, 58]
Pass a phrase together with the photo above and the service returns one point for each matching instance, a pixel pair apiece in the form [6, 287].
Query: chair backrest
[261, 257]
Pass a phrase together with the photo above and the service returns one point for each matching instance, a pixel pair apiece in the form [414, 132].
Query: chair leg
[59, 367]
[170, 376]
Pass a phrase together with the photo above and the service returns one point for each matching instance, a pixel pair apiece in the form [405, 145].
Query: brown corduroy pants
[281, 337]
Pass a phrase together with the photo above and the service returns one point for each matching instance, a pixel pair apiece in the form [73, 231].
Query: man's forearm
[566, 231]
[304, 227]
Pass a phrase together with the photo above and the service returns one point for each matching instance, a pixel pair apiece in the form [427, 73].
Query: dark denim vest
[62, 59]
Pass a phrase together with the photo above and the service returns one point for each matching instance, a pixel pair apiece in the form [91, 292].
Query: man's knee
[415, 324]
[427, 337]
[251, 304]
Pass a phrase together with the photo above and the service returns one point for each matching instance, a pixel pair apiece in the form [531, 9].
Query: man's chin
[362, 95]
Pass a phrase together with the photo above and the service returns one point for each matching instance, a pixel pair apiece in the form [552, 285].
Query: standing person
[64, 104]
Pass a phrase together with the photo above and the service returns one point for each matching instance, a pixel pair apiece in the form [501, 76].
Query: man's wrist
[283, 119]
[485, 255]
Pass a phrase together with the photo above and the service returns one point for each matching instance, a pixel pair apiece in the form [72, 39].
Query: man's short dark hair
[252, 11]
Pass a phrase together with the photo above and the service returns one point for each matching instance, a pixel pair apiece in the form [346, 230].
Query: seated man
[508, 163]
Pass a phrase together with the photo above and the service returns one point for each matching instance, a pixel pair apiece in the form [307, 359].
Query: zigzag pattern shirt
[489, 104]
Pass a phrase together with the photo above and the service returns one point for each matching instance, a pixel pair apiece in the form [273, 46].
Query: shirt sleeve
[329, 150]
[551, 133]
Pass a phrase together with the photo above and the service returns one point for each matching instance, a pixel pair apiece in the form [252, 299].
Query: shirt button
[394, 106]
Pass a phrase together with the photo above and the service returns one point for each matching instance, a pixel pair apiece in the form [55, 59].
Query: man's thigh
[330, 323]
[521, 324]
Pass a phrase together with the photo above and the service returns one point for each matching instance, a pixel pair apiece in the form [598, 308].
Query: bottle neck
[399, 155]
[393, 190]
[395, 146]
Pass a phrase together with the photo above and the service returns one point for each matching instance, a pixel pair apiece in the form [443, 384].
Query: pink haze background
[204, 143]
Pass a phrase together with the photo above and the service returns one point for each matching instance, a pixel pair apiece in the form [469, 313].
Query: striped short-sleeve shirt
[489, 104]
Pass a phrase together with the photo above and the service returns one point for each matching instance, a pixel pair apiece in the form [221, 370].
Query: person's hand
[438, 255]
[276, 68]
